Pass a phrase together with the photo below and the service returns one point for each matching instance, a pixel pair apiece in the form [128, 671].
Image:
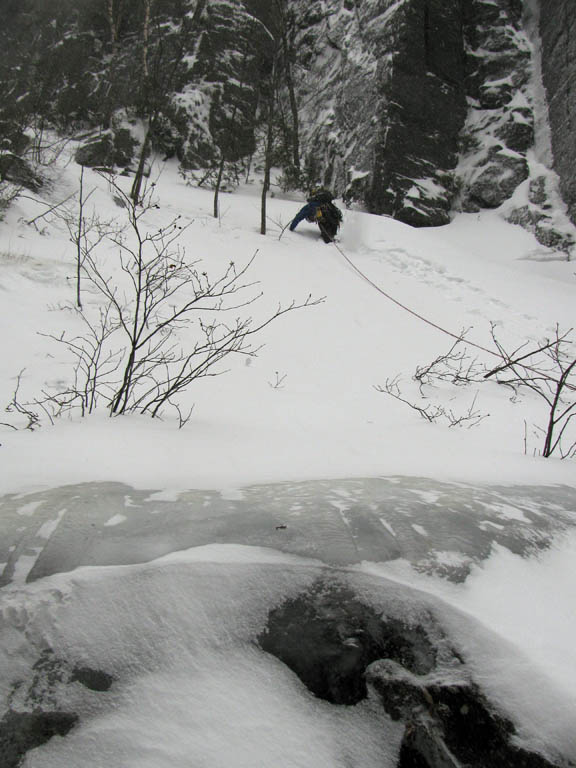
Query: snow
[178, 633]
[530, 603]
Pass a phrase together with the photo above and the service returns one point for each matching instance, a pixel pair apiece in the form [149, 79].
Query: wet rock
[328, 638]
[22, 731]
[342, 650]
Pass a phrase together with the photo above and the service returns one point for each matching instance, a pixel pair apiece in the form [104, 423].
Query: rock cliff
[412, 108]
[384, 102]
[558, 34]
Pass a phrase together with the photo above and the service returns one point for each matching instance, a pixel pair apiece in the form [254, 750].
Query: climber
[320, 209]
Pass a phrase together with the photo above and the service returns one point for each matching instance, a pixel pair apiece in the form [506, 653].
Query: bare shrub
[168, 324]
[546, 368]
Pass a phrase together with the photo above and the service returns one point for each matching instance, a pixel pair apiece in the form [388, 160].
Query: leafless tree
[549, 371]
[166, 327]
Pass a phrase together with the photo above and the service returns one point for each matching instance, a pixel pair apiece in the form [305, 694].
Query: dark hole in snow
[94, 679]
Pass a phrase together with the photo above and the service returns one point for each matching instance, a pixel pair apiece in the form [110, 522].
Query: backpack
[329, 213]
[320, 196]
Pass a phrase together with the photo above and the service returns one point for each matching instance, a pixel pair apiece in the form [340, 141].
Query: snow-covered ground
[305, 409]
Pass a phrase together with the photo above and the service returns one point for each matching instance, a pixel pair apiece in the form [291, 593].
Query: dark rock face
[558, 33]
[98, 152]
[425, 113]
[341, 648]
[38, 706]
[431, 104]
[19, 172]
[94, 679]
[111, 148]
[385, 125]
[21, 731]
[329, 638]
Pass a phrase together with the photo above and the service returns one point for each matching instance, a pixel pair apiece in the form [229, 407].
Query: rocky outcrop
[37, 706]
[19, 172]
[423, 106]
[499, 126]
[558, 35]
[383, 128]
[22, 731]
[413, 108]
[343, 650]
[109, 149]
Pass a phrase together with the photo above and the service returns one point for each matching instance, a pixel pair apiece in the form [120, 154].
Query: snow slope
[178, 632]
[326, 419]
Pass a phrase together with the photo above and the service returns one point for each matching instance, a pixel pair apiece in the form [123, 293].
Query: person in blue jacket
[320, 209]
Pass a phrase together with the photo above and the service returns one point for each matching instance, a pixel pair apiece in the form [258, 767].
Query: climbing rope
[449, 333]
[411, 311]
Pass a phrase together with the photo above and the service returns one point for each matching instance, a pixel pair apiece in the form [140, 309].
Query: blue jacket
[308, 211]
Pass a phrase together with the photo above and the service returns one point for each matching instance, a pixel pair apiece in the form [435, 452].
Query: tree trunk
[267, 168]
[80, 235]
[269, 144]
[137, 185]
[217, 188]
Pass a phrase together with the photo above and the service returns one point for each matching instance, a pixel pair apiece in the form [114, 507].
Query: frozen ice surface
[439, 527]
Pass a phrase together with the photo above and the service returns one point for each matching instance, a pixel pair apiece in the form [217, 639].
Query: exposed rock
[527, 216]
[328, 638]
[558, 33]
[518, 132]
[109, 149]
[38, 706]
[537, 191]
[19, 172]
[499, 179]
[550, 237]
[538, 217]
[21, 731]
[341, 649]
[499, 127]
[97, 152]
[12, 139]
[400, 67]
[94, 679]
